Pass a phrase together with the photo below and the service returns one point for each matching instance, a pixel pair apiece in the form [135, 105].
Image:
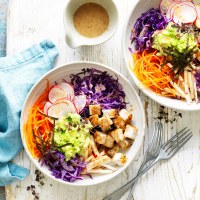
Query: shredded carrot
[39, 124]
[149, 69]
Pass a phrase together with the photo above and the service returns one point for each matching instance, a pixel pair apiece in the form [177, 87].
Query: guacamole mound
[71, 135]
[171, 38]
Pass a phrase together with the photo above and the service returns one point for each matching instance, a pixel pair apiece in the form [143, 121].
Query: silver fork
[167, 150]
[152, 150]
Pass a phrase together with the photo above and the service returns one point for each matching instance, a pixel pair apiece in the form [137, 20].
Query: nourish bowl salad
[165, 50]
[81, 127]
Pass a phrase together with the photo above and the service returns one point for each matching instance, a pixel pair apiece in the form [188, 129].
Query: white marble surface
[30, 21]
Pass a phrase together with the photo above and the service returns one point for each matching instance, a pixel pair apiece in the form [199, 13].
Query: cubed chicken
[100, 137]
[120, 159]
[95, 109]
[125, 144]
[117, 135]
[126, 115]
[109, 141]
[130, 132]
[119, 122]
[94, 119]
[111, 152]
[112, 113]
[105, 122]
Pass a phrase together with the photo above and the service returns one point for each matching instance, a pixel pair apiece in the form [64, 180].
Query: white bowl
[73, 38]
[141, 7]
[63, 72]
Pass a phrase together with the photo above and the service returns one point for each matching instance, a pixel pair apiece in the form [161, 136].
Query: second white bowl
[141, 7]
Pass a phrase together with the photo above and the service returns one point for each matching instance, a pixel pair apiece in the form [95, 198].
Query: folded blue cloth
[17, 75]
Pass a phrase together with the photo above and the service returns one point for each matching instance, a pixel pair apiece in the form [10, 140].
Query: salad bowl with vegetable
[82, 124]
[161, 47]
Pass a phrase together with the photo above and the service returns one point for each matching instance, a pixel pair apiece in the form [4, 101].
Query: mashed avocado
[72, 135]
[172, 39]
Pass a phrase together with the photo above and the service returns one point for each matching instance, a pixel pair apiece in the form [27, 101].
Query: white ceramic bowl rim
[138, 142]
[170, 103]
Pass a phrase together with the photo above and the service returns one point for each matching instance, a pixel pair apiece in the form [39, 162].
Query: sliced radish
[56, 93]
[184, 14]
[58, 110]
[68, 89]
[164, 5]
[80, 102]
[62, 100]
[46, 107]
[171, 8]
[188, 3]
[186, 0]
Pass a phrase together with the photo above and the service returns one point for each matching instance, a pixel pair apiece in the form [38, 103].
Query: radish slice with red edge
[164, 5]
[62, 100]
[188, 3]
[186, 0]
[56, 93]
[171, 8]
[58, 110]
[80, 102]
[184, 14]
[68, 89]
[46, 107]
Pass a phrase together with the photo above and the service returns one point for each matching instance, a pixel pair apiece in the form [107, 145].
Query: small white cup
[73, 38]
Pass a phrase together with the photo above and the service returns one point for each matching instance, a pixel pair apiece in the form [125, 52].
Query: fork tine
[166, 143]
[151, 146]
[179, 142]
[159, 140]
[179, 137]
[161, 126]
[181, 145]
[154, 138]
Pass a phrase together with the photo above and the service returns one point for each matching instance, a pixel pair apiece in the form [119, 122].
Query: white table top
[29, 22]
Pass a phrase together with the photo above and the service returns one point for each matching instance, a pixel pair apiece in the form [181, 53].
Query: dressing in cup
[89, 22]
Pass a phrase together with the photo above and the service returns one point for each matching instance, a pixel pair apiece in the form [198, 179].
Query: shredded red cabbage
[100, 88]
[197, 77]
[145, 26]
[68, 171]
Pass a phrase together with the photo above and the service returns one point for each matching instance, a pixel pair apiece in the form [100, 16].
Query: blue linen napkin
[17, 75]
[3, 25]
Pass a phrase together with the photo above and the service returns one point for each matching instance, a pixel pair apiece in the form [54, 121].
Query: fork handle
[118, 193]
[144, 162]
